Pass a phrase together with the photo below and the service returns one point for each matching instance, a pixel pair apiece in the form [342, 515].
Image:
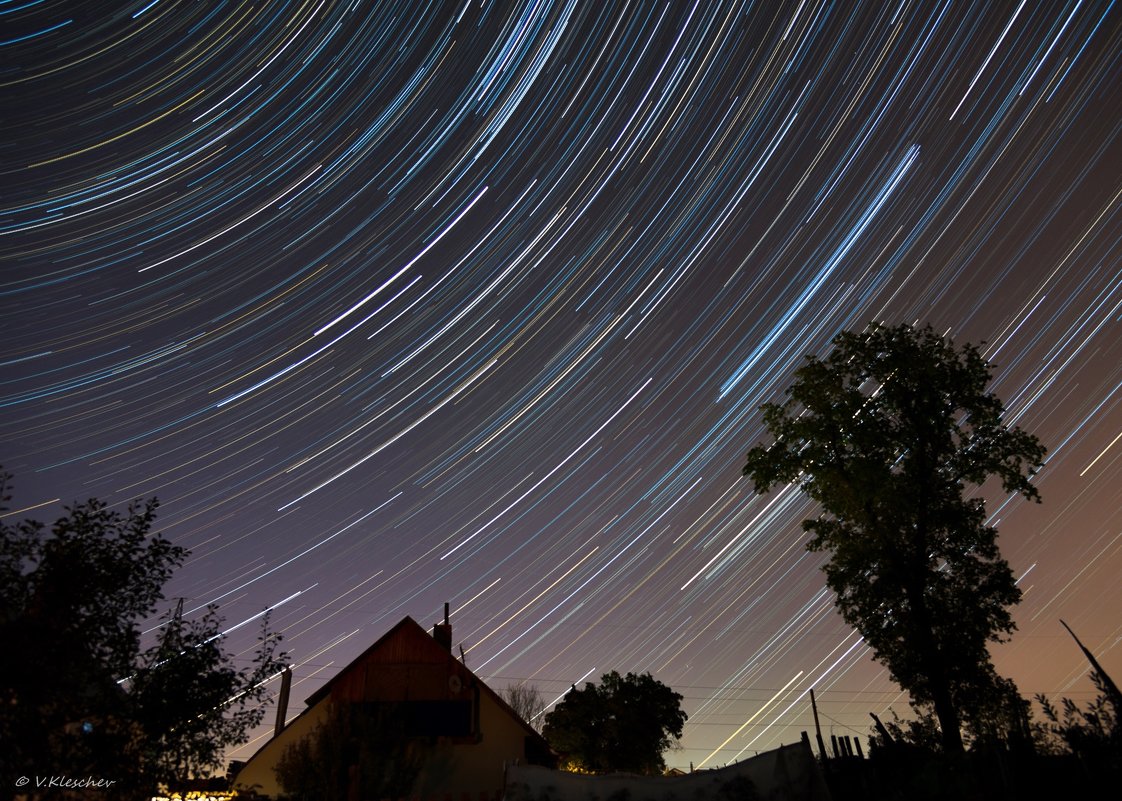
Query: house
[455, 730]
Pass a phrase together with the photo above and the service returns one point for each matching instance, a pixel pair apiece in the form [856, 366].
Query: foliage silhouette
[1094, 733]
[363, 749]
[893, 434]
[623, 724]
[81, 697]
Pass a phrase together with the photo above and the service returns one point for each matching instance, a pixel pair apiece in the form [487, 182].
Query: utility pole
[817, 727]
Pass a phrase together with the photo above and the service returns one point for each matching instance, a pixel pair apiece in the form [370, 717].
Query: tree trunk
[947, 713]
[945, 708]
[938, 684]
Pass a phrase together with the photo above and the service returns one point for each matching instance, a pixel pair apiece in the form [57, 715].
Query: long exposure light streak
[394, 304]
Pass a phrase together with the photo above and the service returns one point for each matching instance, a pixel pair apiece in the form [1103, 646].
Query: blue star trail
[393, 304]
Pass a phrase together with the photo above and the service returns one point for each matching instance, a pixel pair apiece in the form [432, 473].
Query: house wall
[408, 665]
[453, 768]
[259, 773]
[478, 766]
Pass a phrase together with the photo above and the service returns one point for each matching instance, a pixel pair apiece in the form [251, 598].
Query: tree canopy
[625, 723]
[894, 434]
[85, 694]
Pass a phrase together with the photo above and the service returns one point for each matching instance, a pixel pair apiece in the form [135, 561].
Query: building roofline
[405, 622]
[324, 690]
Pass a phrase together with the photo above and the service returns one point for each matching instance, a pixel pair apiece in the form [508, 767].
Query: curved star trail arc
[395, 304]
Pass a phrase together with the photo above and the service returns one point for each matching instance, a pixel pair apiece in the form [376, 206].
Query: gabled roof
[406, 650]
[405, 623]
[408, 633]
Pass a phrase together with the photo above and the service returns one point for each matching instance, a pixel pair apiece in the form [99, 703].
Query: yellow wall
[258, 774]
[452, 769]
[479, 766]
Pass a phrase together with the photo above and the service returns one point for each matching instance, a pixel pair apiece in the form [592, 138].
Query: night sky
[400, 303]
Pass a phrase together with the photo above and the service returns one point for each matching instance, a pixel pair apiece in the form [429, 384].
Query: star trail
[393, 304]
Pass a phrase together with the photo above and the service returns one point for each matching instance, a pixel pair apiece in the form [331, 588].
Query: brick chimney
[442, 632]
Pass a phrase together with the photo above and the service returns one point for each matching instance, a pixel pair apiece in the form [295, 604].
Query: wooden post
[817, 727]
[282, 700]
[883, 731]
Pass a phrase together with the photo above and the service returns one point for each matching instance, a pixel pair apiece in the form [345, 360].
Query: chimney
[442, 632]
[282, 700]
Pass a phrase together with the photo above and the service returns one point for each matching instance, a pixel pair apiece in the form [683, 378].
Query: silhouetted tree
[188, 701]
[996, 717]
[80, 696]
[527, 701]
[892, 434]
[1094, 733]
[623, 724]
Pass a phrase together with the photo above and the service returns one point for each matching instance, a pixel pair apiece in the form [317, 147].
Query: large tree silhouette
[81, 694]
[623, 724]
[893, 434]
